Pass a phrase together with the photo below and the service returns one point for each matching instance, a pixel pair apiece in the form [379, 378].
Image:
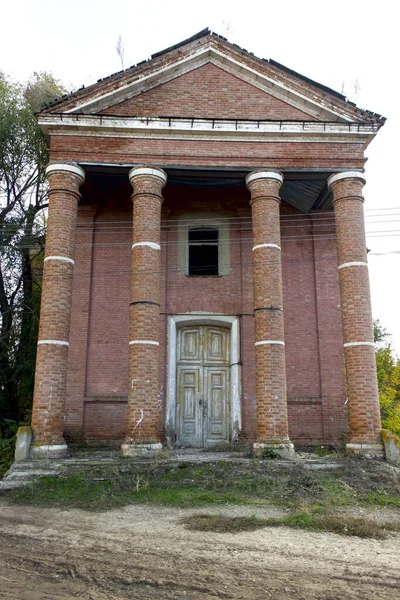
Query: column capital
[66, 168]
[345, 175]
[267, 174]
[144, 170]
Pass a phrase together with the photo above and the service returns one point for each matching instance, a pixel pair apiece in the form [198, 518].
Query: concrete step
[25, 472]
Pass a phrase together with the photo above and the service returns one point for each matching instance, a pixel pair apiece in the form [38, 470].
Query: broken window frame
[207, 270]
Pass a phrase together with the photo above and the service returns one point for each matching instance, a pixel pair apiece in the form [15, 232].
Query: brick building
[205, 276]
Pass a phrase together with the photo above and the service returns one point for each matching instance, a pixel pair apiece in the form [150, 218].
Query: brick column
[272, 420]
[55, 311]
[359, 351]
[142, 414]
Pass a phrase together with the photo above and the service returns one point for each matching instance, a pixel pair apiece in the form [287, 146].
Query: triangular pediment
[208, 77]
[207, 92]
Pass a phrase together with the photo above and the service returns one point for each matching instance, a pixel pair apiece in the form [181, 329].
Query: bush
[7, 448]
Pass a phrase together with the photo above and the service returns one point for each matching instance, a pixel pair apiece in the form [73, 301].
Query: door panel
[202, 407]
[215, 421]
[189, 413]
[190, 347]
[216, 348]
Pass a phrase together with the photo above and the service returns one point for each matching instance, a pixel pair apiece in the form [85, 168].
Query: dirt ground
[145, 552]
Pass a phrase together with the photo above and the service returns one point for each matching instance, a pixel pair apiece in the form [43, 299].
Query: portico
[206, 278]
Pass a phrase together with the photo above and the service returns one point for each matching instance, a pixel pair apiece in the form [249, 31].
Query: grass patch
[304, 519]
[340, 524]
[92, 493]
[103, 486]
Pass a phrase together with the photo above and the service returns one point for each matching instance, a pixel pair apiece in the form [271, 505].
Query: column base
[283, 449]
[391, 444]
[366, 450]
[141, 449]
[54, 451]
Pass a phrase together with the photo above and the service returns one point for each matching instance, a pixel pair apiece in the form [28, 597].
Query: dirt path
[145, 552]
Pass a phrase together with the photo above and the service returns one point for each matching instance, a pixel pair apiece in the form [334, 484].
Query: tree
[388, 368]
[23, 157]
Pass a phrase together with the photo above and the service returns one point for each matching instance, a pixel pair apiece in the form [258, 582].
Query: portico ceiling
[302, 190]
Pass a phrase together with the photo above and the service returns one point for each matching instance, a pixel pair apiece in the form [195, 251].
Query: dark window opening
[203, 252]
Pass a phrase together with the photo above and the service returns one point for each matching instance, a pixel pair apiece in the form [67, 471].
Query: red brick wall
[207, 92]
[315, 378]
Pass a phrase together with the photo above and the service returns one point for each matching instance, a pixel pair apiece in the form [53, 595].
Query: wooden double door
[203, 403]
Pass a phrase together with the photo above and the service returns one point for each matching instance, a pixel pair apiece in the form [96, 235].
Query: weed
[269, 453]
[323, 451]
[140, 483]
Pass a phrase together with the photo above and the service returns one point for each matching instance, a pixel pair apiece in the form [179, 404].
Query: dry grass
[222, 523]
[305, 519]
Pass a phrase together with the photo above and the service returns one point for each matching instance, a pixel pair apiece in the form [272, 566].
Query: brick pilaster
[142, 413]
[55, 312]
[79, 332]
[359, 351]
[329, 325]
[272, 420]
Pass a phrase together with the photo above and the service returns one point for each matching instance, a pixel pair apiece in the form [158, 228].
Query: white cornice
[201, 129]
[346, 175]
[65, 168]
[314, 107]
[281, 91]
[118, 95]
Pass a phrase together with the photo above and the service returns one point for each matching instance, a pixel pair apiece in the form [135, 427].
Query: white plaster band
[269, 342]
[263, 175]
[56, 342]
[63, 258]
[67, 168]
[266, 246]
[147, 171]
[55, 449]
[346, 175]
[149, 244]
[131, 343]
[358, 344]
[356, 263]
[140, 449]
[365, 447]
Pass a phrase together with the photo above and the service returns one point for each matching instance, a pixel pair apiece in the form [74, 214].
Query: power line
[231, 266]
[14, 229]
[232, 241]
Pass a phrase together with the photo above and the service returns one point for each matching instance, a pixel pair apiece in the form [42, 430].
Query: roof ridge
[197, 36]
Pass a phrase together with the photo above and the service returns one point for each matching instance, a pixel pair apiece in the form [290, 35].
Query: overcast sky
[349, 46]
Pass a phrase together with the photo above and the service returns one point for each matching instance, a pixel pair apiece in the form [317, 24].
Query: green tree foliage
[388, 368]
[23, 157]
